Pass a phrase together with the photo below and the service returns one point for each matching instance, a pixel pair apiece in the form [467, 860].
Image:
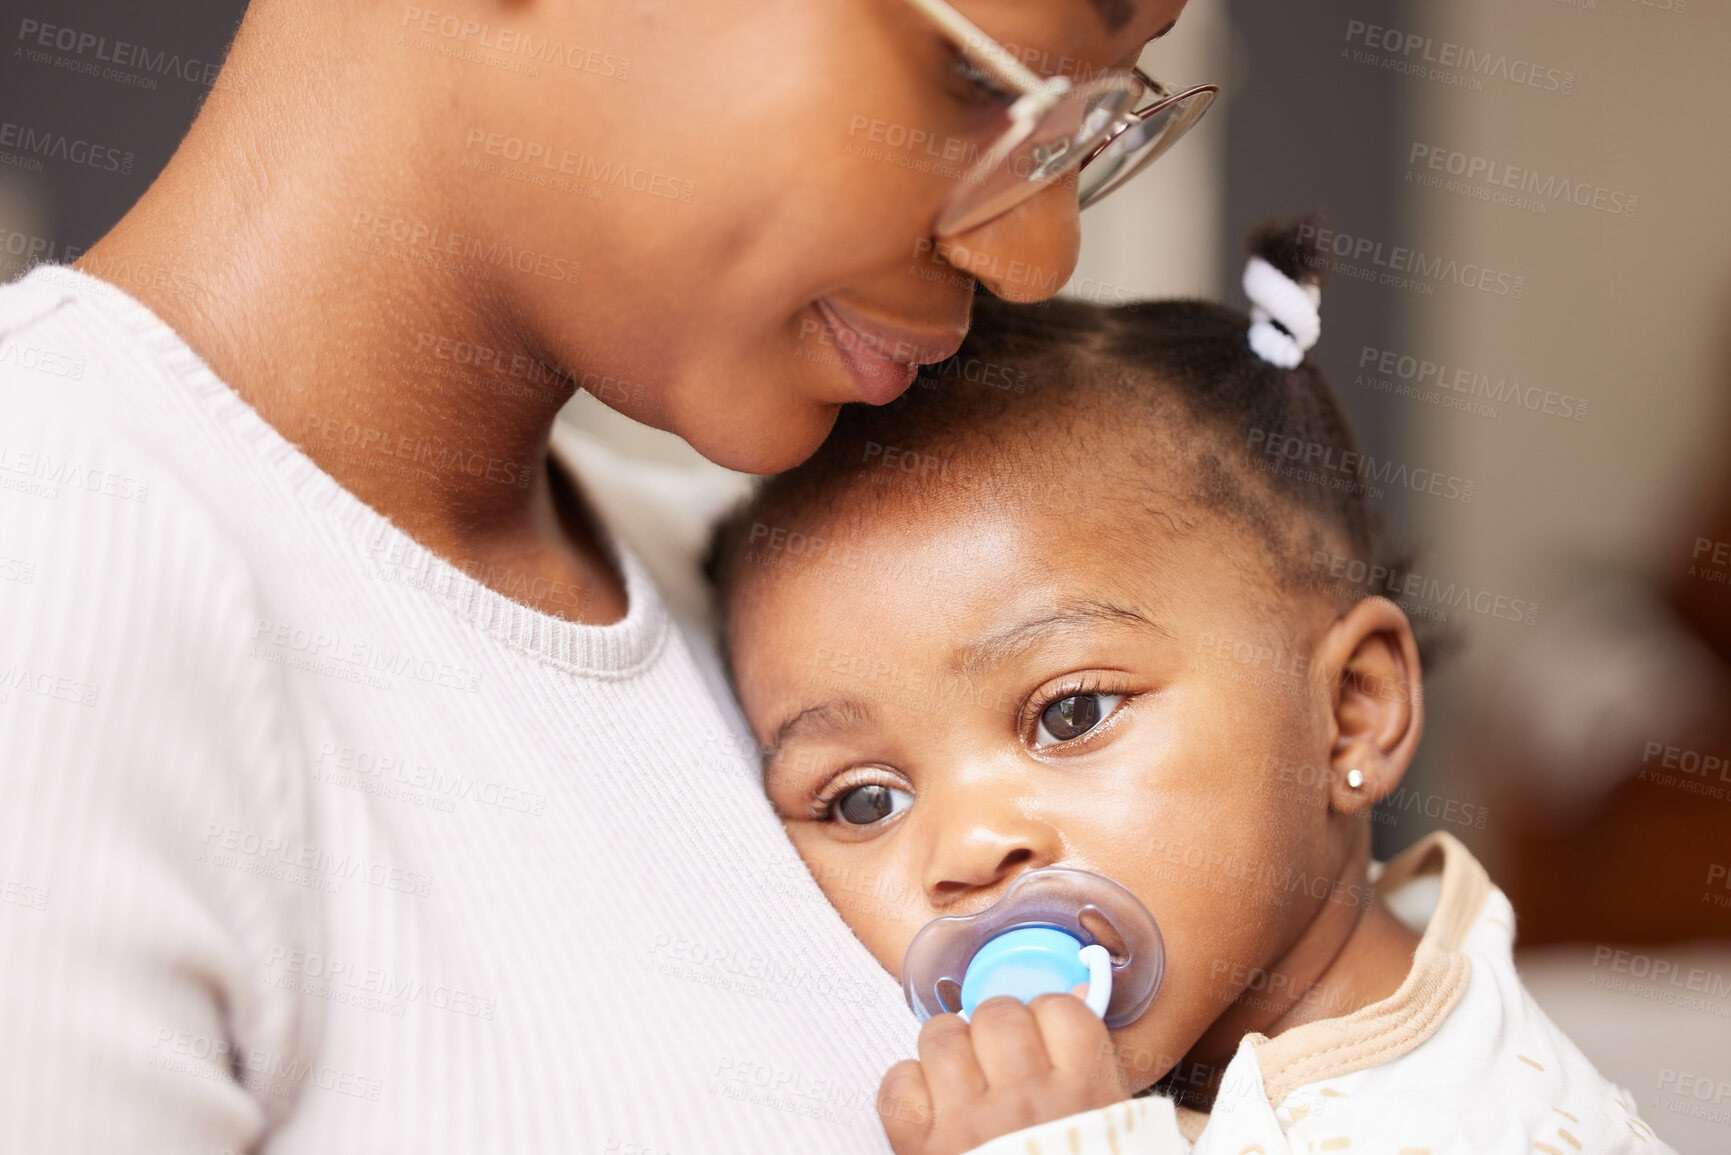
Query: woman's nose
[1027, 253]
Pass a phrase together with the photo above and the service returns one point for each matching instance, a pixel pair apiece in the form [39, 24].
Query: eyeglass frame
[1036, 95]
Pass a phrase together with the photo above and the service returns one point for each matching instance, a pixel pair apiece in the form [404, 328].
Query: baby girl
[1053, 609]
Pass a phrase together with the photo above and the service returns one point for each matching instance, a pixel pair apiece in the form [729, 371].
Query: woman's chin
[737, 442]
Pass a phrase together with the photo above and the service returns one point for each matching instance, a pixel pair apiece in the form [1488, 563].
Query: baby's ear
[1370, 660]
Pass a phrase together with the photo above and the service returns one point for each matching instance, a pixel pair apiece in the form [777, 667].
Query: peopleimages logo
[38, 39]
[1423, 373]
[52, 472]
[1403, 268]
[1458, 64]
[1328, 464]
[32, 250]
[46, 684]
[1494, 178]
[507, 42]
[580, 166]
[54, 362]
[34, 142]
[470, 255]
[352, 659]
[1397, 583]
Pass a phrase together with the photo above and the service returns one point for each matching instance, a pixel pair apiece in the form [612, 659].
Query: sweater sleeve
[1146, 1126]
[143, 755]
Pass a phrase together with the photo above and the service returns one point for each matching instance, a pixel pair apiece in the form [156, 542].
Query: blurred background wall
[1529, 279]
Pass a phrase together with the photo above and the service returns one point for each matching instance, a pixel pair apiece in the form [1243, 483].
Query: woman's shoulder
[95, 445]
[118, 517]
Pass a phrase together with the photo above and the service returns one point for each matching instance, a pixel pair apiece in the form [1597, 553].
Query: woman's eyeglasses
[1103, 129]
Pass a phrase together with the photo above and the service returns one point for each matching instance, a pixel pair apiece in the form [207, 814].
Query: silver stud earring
[1355, 778]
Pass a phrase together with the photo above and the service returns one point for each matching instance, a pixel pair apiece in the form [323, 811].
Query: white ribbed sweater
[311, 843]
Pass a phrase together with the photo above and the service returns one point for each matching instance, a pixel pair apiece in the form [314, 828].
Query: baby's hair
[1171, 388]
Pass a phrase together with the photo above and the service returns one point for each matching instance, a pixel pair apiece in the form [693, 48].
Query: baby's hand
[1011, 1066]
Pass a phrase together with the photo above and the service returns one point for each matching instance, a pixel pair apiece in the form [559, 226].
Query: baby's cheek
[886, 939]
[1156, 1043]
[1217, 930]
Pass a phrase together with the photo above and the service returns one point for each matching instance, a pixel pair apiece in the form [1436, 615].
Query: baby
[1057, 607]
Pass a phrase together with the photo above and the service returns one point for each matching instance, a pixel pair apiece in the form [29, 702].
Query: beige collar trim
[1388, 1029]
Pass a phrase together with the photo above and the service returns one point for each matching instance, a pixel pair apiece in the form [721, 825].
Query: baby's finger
[905, 1106]
[1007, 1042]
[951, 1070]
[1077, 1042]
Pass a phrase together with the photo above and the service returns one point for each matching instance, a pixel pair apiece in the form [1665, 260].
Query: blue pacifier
[1053, 928]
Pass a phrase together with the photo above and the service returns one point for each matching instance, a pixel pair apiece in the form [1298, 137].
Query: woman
[362, 793]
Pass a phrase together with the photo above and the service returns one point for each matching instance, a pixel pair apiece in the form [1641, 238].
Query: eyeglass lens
[1027, 160]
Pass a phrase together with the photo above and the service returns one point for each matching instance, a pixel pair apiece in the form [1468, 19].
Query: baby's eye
[1072, 716]
[869, 803]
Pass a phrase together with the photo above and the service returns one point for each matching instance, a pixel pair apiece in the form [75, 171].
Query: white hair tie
[1285, 315]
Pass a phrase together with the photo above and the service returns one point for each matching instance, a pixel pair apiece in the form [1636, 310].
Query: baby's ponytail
[1284, 284]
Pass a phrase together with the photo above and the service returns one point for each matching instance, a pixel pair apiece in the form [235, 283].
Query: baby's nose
[978, 854]
[978, 872]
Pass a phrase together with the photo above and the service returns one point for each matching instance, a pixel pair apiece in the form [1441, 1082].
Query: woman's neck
[320, 274]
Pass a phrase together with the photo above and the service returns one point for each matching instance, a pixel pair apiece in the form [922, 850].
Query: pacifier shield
[1020, 940]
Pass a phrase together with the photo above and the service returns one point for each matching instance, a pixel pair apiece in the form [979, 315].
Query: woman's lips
[883, 358]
